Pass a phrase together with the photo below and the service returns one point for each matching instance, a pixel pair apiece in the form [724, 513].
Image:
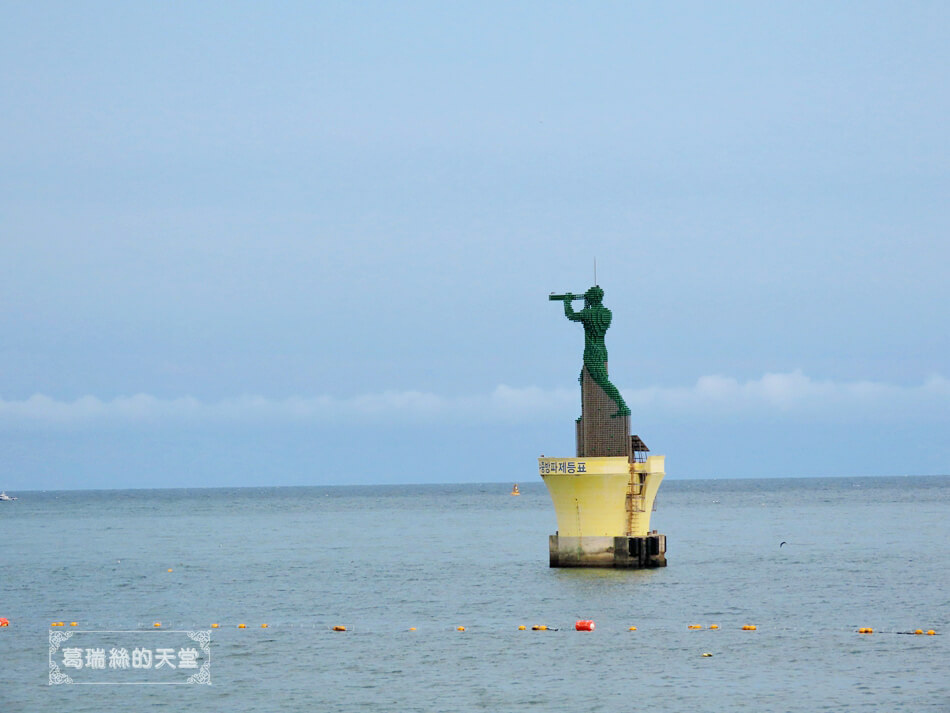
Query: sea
[403, 567]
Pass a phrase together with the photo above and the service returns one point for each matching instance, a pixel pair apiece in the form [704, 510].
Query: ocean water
[860, 552]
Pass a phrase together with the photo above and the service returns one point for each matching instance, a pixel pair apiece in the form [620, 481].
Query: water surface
[860, 552]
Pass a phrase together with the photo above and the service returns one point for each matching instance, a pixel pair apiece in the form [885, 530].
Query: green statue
[596, 320]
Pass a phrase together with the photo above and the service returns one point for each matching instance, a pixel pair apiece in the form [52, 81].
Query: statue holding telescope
[596, 320]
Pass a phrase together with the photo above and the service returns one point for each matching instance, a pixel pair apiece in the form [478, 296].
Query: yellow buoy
[706, 654]
[263, 626]
[157, 624]
[214, 626]
[460, 628]
[339, 628]
[74, 623]
[714, 626]
[242, 626]
[522, 627]
[412, 628]
[866, 630]
[931, 632]
[169, 570]
[749, 627]
[633, 628]
[695, 626]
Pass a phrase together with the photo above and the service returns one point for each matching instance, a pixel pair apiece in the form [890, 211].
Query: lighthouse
[603, 497]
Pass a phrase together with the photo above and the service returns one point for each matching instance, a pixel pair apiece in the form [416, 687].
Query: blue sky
[251, 244]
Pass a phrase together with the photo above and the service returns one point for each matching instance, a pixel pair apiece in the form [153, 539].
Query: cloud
[504, 402]
[784, 395]
[791, 392]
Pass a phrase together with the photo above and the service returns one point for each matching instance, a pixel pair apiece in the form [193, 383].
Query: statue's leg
[614, 393]
[599, 374]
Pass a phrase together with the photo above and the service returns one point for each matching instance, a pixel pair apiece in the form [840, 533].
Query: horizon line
[486, 482]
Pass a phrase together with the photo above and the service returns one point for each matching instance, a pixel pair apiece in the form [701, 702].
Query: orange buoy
[4, 621]
[931, 632]
[242, 626]
[460, 628]
[695, 626]
[632, 628]
[584, 625]
[215, 626]
[339, 628]
[157, 624]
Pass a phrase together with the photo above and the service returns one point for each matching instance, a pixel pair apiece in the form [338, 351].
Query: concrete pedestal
[603, 507]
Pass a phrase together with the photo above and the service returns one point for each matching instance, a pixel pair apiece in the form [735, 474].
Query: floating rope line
[581, 625]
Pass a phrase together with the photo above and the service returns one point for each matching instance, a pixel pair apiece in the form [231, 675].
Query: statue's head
[594, 295]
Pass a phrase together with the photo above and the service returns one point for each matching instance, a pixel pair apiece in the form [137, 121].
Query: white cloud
[793, 393]
[789, 394]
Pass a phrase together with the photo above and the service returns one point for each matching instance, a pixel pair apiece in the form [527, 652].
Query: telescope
[569, 296]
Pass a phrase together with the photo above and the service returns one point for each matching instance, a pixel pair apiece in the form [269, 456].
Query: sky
[251, 244]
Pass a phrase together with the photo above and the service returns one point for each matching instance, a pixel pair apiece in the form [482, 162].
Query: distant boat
[514, 490]
[5, 497]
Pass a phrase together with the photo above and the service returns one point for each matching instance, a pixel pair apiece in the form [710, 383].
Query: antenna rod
[595, 270]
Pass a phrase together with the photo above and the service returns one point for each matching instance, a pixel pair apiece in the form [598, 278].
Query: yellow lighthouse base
[603, 508]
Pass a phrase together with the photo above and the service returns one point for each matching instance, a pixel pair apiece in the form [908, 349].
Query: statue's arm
[571, 314]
